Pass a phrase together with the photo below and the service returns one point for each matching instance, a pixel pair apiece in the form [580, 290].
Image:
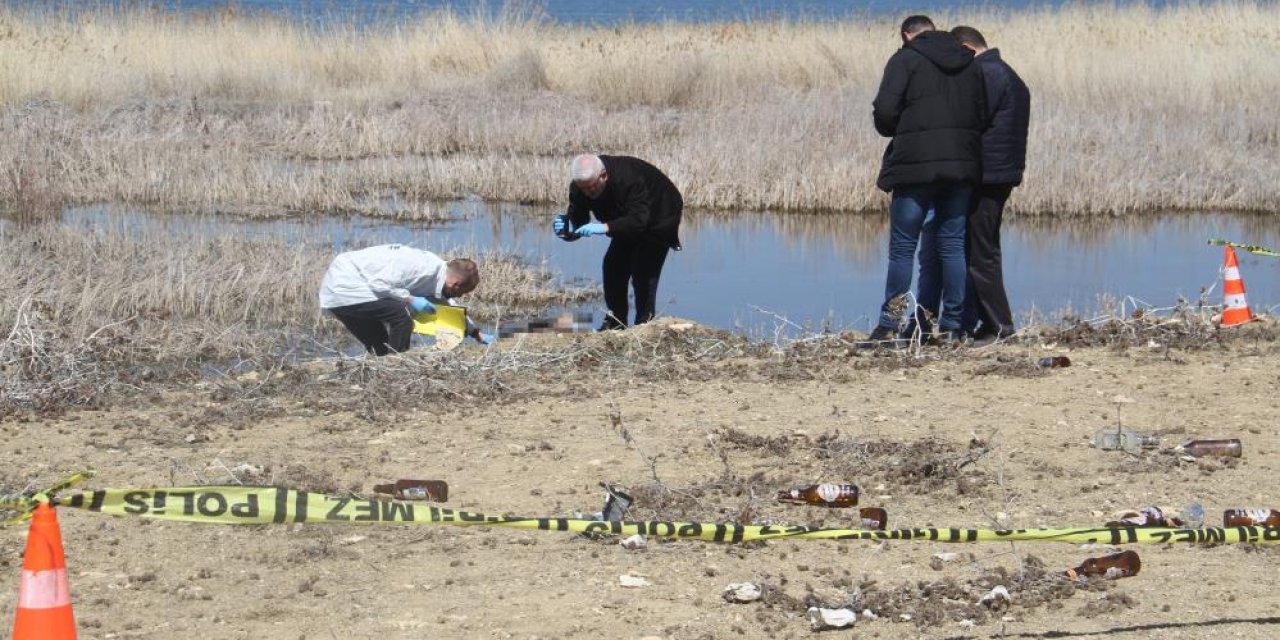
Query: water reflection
[746, 270]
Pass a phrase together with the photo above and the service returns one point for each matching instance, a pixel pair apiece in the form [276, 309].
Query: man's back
[1004, 145]
[639, 201]
[932, 103]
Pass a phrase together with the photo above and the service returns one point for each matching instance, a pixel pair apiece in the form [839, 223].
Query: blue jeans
[943, 271]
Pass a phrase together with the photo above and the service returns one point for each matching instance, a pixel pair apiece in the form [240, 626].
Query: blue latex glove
[592, 229]
[421, 305]
[483, 338]
[558, 225]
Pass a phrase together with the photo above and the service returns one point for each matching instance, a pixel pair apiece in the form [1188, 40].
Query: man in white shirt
[374, 291]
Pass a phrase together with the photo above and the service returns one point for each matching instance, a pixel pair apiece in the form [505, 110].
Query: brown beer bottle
[1251, 518]
[1055, 362]
[430, 490]
[1221, 448]
[822, 495]
[1116, 565]
[873, 518]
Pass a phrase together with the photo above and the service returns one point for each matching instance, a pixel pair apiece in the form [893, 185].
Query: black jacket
[933, 104]
[1004, 145]
[638, 202]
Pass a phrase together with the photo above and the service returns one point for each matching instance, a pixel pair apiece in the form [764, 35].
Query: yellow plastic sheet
[448, 324]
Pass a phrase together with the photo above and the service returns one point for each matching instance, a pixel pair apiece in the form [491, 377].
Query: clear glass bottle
[1109, 439]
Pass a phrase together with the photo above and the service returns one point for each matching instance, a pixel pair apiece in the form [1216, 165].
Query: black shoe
[611, 324]
[951, 338]
[923, 329]
[880, 337]
[986, 335]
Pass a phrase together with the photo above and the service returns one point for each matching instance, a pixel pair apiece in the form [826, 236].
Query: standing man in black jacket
[1004, 157]
[932, 104]
[640, 209]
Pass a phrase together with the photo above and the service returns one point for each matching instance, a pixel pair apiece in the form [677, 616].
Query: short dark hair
[916, 24]
[969, 36]
[467, 270]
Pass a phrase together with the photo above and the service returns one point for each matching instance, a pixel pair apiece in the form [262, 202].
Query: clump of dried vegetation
[90, 313]
[948, 601]
[267, 116]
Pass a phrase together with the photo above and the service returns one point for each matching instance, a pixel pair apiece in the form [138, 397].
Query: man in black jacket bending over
[1004, 156]
[640, 209]
[932, 103]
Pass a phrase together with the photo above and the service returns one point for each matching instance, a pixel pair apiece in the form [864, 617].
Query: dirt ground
[977, 438]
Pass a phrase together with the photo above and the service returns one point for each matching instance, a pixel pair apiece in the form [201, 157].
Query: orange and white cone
[1235, 308]
[44, 596]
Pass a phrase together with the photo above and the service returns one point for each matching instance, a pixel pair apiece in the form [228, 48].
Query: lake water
[744, 271]
[564, 11]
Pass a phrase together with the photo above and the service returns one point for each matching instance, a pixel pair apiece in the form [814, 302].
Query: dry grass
[87, 312]
[1135, 108]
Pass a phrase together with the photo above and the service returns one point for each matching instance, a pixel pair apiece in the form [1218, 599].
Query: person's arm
[891, 99]
[579, 209]
[997, 88]
[636, 211]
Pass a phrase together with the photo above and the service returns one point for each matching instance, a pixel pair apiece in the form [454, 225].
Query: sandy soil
[545, 455]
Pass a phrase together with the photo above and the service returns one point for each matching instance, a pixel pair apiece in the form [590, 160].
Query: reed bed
[162, 282]
[1135, 108]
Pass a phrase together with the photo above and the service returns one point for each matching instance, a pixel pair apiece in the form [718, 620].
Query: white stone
[742, 592]
[633, 582]
[634, 543]
[820, 619]
[996, 596]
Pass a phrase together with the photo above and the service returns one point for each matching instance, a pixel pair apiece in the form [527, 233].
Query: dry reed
[1135, 109]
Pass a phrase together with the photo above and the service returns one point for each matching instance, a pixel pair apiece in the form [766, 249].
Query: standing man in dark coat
[932, 104]
[1004, 157]
[637, 206]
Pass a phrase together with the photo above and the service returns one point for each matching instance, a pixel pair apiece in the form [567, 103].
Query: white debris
[996, 597]
[967, 623]
[820, 619]
[947, 556]
[905, 617]
[742, 592]
[868, 614]
[633, 582]
[634, 543]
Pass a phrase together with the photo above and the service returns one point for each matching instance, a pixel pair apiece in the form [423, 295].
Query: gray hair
[586, 167]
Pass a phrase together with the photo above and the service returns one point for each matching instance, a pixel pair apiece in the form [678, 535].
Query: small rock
[634, 543]
[905, 617]
[868, 614]
[630, 581]
[967, 623]
[741, 592]
[820, 619]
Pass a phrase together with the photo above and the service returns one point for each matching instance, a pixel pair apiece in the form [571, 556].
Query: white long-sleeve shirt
[386, 271]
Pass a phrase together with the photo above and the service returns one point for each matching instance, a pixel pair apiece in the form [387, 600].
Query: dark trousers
[638, 261]
[383, 326]
[986, 300]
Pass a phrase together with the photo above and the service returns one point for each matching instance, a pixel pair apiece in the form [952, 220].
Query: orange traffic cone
[1235, 309]
[44, 597]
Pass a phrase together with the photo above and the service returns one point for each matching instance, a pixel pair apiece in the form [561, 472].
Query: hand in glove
[421, 305]
[592, 229]
[483, 338]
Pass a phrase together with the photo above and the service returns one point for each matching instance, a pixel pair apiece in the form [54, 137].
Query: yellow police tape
[275, 505]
